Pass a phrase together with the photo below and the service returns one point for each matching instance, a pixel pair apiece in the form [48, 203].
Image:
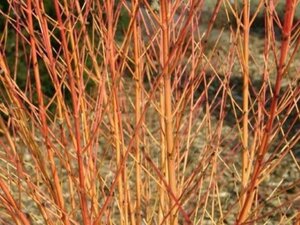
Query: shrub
[118, 112]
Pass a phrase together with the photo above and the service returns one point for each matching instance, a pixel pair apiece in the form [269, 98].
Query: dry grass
[136, 113]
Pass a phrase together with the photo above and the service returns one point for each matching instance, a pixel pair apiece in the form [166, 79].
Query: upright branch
[285, 46]
[116, 123]
[76, 108]
[138, 106]
[168, 110]
[58, 196]
[245, 63]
